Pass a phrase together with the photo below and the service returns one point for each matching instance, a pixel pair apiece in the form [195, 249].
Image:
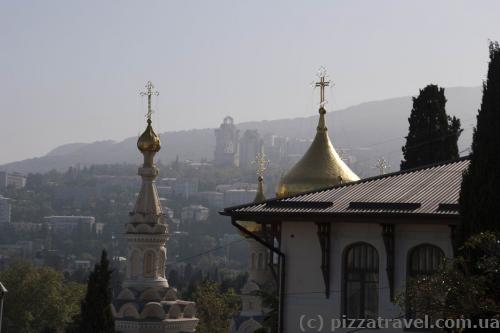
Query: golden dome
[254, 227]
[149, 141]
[320, 167]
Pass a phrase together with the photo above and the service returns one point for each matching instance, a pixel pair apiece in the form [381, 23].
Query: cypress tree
[433, 135]
[480, 192]
[96, 316]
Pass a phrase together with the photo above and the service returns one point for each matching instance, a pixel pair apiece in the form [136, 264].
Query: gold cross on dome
[322, 84]
[262, 163]
[149, 92]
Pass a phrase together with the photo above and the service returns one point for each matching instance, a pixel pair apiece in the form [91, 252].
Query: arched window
[361, 281]
[135, 264]
[423, 260]
[149, 264]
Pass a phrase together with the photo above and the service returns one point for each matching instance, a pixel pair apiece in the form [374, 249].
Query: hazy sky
[70, 71]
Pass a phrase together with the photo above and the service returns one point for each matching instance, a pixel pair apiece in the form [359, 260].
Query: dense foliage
[433, 135]
[215, 307]
[96, 315]
[480, 193]
[466, 286]
[38, 299]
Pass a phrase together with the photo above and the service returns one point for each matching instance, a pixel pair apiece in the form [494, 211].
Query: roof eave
[396, 218]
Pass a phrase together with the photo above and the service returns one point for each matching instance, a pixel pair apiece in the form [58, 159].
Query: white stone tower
[147, 304]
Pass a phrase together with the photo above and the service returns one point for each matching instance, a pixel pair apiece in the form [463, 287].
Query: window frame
[363, 281]
[411, 274]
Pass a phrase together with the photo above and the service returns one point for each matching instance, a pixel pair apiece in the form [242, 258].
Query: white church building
[346, 247]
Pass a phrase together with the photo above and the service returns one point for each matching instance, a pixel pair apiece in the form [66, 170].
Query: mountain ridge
[367, 131]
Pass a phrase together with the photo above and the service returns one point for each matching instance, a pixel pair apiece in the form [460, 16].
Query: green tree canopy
[480, 193]
[215, 307]
[466, 286]
[96, 316]
[433, 135]
[38, 299]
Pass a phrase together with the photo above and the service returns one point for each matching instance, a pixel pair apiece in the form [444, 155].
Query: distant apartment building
[194, 213]
[185, 188]
[169, 212]
[235, 186]
[5, 210]
[250, 145]
[238, 197]
[275, 148]
[27, 226]
[213, 199]
[164, 191]
[52, 258]
[167, 181]
[68, 224]
[19, 250]
[13, 179]
[98, 228]
[82, 265]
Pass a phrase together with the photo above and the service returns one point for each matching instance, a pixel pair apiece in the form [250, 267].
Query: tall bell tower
[147, 303]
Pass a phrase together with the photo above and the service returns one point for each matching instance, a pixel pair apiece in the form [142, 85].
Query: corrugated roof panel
[428, 187]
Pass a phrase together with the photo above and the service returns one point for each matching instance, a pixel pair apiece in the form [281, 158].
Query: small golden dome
[149, 141]
[254, 227]
[320, 167]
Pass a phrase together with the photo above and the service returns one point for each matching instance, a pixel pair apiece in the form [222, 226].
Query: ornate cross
[322, 84]
[381, 165]
[262, 163]
[149, 92]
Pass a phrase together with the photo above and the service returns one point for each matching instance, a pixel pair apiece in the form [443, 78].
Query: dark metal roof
[430, 191]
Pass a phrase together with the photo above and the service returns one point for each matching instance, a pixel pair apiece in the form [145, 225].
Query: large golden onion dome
[320, 167]
[149, 141]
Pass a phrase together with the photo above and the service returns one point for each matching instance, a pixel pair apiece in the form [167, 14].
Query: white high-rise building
[147, 304]
[226, 143]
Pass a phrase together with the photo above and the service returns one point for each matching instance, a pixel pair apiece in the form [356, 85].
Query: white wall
[304, 293]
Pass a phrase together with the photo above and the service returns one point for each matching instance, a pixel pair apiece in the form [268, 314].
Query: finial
[382, 166]
[149, 141]
[262, 163]
[149, 92]
[322, 83]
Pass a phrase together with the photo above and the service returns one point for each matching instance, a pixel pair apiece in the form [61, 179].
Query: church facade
[345, 247]
[348, 251]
